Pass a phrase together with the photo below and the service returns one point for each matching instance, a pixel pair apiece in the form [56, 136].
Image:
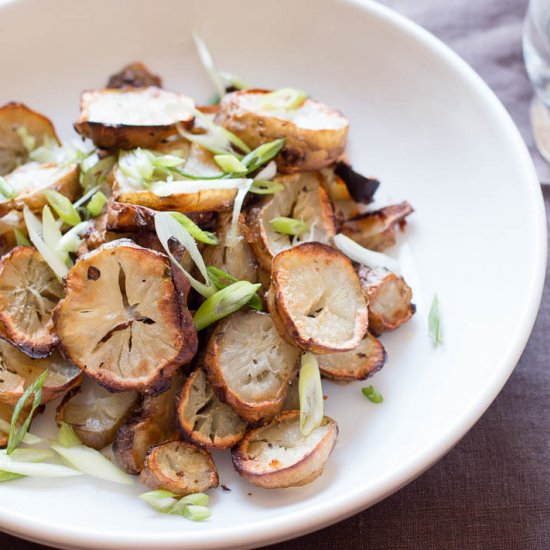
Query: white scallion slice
[233, 80]
[268, 172]
[224, 303]
[208, 63]
[34, 227]
[71, 241]
[6, 189]
[30, 455]
[63, 207]
[50, 229]
[35, 469]
[160, 500]
[434, 322]
[311, 394]
[91, 462]
[168, 228]
[362, 255]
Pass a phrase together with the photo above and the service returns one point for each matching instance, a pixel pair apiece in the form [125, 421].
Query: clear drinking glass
[536, 52]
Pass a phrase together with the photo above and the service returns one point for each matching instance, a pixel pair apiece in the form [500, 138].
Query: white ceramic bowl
[429, 128]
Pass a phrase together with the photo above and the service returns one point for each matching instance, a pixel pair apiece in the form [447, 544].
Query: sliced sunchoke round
[153, 422]
[29, 291]
[16, 120]
[179, 467]
[389, 298]
[279, 455]
[303, 198]
[316, 300]
[132, 117]
[376, 230]
[250, 365]
[234, 258]
[135, 75]
[122, 320]
[315, 135]
[205, 419]
[18, 372]
[366, 359]
[94, 413]
[31, 180]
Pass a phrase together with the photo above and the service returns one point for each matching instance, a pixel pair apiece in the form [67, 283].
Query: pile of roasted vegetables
[183, 276]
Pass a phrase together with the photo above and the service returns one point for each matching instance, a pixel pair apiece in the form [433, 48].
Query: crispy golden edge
[152, 476]
[173, 308]
[282, 316]
[304, 150]
[301, 473]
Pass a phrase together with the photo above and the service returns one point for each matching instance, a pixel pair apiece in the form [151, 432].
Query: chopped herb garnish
[194, 230]
[96, 204]
[222, 279]
[289, 226]
[372, 394]
[17, 434]
[434, 322]
[63, 207]
[193, 507]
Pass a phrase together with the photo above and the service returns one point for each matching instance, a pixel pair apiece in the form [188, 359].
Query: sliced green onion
[262, 154]
[224, 303]
[285, 98]
[86, 197]
[160, 500]
[20, 238]
[230, 164]
[222, 279]
[17, 435]
[262, 187]
[175, 187]
[197, 499]
[29, 142]
[50, 151]
[34, 228]
[372, 394]
[196, 513]
[66, 436]
[96, 204]
[97, 174]
[311, 394]
[434, 322]
[91, 462]
[194, 230]
[6, 189]
[35, 469]
[71, 241]
[165, 161]
[208, 64]
[8, 476]
[136, 165]
[189, 176]
[362, 255]
[289, 226]
[50, 229]
[63, 207]
[29, 439]
[167, 227]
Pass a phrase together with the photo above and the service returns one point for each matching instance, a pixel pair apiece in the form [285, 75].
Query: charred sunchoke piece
[132, 117]
[122, 320]
[279, 455]
[376, 230]
[18, 372]
[303, 198]
[17, 121]
[153, 422]
[366, 359]
[205, 419]
[29, 291]
[389, 298]
[135, 75]
[31, 180]
[250, 365]
[95, 414]
[361, 188]
[316, 300]
[179, 467]
[315, 135]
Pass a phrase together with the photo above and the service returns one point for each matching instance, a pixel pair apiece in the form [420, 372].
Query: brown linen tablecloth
[493, 490]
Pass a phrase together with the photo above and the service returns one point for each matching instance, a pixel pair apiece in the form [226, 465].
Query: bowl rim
[317, 516]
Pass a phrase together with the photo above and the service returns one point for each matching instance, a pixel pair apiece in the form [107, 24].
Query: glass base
[540, 122]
